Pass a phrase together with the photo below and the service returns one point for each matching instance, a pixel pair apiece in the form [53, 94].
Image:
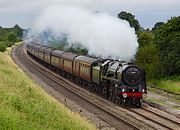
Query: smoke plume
[102, 34]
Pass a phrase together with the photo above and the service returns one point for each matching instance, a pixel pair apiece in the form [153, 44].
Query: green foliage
[147, 58]
[159, 49]
[8, 36]
[18, 31]
[74, 48]
[2, 46]
[145, 38]
[78, 50]
[12, 37]
[157, 26]
[169, 83]
[168, 43]
[130, 18]
[57, 44]
[147, 55]
[83, 51]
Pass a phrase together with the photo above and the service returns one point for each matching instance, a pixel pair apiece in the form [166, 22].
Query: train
[119, 81]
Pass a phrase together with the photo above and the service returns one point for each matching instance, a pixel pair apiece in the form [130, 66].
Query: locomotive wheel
[138, 104]
[100, 89]
[110, 95]
[115, 100]
[123, 103]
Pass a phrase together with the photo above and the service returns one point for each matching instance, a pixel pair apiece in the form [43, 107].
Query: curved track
[147, 118]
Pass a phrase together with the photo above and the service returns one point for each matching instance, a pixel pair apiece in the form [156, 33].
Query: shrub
[2, 46]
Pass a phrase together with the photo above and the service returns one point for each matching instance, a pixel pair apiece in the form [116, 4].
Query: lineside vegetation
[169, 83]
[8, 36]
[159, 51]
[26, 106]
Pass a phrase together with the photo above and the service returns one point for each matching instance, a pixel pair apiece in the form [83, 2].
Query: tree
[83, 51]
[145, 38]
[157, 25]
[148, 59]
[18, 31]
[130, 18]
[167, 39]
[11, 37]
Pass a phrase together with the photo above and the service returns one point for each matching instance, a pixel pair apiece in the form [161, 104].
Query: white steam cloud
[102, 34]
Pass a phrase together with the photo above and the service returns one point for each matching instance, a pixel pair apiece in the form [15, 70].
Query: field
[26, 106]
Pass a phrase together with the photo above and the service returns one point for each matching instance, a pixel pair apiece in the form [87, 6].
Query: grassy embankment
[25, 106]
[172, 84]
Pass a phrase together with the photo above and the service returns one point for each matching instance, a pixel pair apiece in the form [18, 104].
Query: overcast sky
[148, 12]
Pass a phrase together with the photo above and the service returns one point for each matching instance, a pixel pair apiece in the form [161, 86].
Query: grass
[170, 83]
[155, 100]
[163, 103]
[26, 106]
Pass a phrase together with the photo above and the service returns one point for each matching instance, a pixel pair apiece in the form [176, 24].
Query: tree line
[158, 52]
[8, 36]
[159, 48]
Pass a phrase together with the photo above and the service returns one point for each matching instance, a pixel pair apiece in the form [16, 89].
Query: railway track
[159, 119]
[147, 118]
[164, 90]
[55, 78]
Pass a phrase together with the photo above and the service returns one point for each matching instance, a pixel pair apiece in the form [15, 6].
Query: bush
[2, 46]
[9, 44]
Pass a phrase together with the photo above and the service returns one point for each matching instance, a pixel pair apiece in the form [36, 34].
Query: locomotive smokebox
[132, 75]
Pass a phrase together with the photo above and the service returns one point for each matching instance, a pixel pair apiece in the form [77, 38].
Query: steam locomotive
[122, 82]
